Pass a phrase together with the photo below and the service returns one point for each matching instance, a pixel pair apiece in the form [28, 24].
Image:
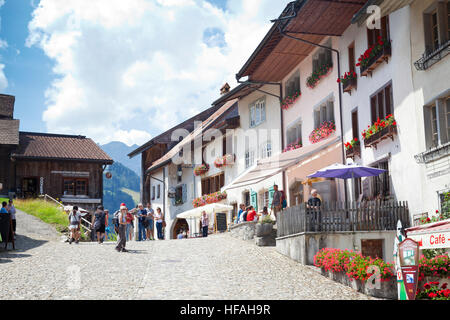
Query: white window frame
[257, 111]
[249, 158]
[323, 113]
[297, 126]
[266, 149]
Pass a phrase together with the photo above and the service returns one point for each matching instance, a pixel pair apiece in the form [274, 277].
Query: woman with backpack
[74, 225]
[99, 222]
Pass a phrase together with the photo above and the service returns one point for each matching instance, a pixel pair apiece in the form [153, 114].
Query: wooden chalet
[65, 167]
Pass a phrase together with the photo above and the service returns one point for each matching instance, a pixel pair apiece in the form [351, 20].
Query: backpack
[115, 219]
[245, 216]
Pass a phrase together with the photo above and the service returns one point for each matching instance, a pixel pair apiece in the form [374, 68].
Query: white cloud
[126, 70]
[3, 80]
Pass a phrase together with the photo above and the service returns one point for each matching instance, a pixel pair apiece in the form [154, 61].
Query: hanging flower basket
[316, 76]
[353, 148]
[290, 100]
[323, 132]
[201, 170]
[208, 199]
[374, 55]
[226, 160]
[348, 81]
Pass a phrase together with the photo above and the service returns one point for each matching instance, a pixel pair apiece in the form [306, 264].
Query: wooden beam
[315, 33]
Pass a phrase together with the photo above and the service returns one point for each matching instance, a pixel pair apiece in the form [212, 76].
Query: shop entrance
[179, 224]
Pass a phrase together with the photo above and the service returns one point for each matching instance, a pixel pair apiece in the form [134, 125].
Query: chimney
[225, 89]
[6, 106]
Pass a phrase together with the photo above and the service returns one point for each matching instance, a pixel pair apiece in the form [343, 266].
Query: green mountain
[120, 188]
[118, 151]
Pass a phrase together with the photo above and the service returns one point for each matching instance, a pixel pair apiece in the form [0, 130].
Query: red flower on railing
[348, 76]
[325, 129]
[317, 75]
[351, 144]
[372, 51]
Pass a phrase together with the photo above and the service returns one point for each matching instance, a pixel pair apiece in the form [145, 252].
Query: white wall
[404, 171]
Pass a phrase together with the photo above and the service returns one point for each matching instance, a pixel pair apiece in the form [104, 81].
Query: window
[213, 184]
[266, 150]
[294, 133]
[381, 186]
[76, 187]
[355, 126]
[373, 34]
[179, 195]
[324, 112]
[153, 192]
[437, 123]
[436, 25]
[249, 158]
[351, 58]
[381, 103]
[158, 193]
[322, 57]
[293, 84]
[257, 112]
[263, 199]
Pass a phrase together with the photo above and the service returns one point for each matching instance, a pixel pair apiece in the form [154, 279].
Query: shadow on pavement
[22, 244]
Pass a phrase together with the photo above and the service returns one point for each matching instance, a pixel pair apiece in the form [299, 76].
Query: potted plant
[294, 145]
[348, 81]
[290, 100]
[323, 132]
[317, 75]
[223, 161]
[379, 130]
[201, 169]
[379, 50]
[264, 227]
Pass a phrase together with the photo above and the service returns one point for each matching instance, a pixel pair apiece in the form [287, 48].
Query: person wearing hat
[122, 239]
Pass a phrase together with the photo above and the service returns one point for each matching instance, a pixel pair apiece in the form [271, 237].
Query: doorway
[29, 187]
[179, 224]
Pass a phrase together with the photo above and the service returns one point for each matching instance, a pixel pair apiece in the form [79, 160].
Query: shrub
[438, 266]
[432, 291]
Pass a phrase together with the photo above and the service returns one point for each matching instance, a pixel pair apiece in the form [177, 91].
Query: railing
[336, 217]
[46, 196]
[430, 57]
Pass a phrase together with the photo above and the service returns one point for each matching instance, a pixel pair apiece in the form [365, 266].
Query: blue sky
[123, 70]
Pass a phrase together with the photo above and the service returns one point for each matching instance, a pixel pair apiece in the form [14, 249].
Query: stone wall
[244, 230]
[303, 247]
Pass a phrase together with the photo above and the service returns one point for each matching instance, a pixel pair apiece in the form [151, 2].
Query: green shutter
[254, 200]
[271, 193]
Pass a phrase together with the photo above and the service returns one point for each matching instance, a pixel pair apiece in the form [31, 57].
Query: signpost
[400, 284]
[408, 251]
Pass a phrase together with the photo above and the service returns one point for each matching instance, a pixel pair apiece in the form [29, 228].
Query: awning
[269, 167]
[431, 236]
[209, 208]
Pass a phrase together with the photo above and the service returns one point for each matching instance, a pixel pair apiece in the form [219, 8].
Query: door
[29, 187]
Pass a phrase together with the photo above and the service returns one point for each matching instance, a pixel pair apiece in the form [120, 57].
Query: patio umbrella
[350, 171]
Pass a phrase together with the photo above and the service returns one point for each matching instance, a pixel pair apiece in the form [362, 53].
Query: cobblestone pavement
[217, 267]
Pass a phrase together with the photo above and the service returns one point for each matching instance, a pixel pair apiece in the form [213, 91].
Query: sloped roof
[224, 111]
[9, 132]
[45, 146]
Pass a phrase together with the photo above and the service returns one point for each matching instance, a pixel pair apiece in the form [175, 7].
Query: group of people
[146, 218]
[8, 207]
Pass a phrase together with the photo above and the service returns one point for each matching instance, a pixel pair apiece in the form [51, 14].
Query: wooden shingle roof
[9, 132]
[45, 146]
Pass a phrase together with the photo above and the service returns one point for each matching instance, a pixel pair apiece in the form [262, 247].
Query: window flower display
[208, 199]
[378, 126]
[350, 145]
[317, 75]
[201, 169]
[325, 130]
[290, 100]
[294, 145]
[375, 50]
[226, 160]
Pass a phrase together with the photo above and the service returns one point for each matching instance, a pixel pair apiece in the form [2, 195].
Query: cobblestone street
[217, 267]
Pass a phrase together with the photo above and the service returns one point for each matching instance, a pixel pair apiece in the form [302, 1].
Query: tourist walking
[99, 223]
[205, 224]
[159, 218]
[130, 225]
[74, 225]
[150, 225]
[314, 204]
[107, 228]
[122, 220]
[277, 201]
[12, 210]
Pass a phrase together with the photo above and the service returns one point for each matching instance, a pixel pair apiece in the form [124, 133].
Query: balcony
[376, 138]
[374, 62]
[353, 151]
[431, 57]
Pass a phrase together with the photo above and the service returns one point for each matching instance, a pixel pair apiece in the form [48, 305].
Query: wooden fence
[335, 217]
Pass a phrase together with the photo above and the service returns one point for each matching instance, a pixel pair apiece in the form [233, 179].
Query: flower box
[374, 56]
[317, 75]
[293, 146]
[209, 198]
[324, 131]
[201, 170]
[226, 160]
[290, 100]
[353, 151]
[385, 133]
[348, 81]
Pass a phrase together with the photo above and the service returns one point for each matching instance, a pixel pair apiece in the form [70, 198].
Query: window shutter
[323, 114]
[355, 128]
[271, 192]
[427, 32]
[442, 22]
[316, 119]
[254, 200]
[381, 114]
[330, 111]
[252, 116]
[297, 84]
[442, 118]
[184, 193]
[388, 99]
[263, 111]
[373, 108]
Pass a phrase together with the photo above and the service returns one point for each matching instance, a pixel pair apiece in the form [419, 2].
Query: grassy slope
[45, 211]
[134, 194]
